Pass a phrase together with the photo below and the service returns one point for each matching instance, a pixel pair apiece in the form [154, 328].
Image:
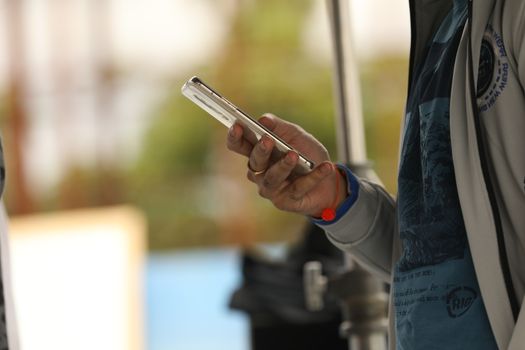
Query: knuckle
[233, 140]
[263, 193]
[294, 191]
[259, 148]
[269, 183]
[287, 163]
[279, 204]
[260, 151]
[295, 197]
[254, 163]
[285, 166]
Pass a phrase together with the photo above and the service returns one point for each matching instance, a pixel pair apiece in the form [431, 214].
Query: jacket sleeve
[367, 229]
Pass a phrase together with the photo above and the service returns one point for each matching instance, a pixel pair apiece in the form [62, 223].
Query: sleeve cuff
[353, 187]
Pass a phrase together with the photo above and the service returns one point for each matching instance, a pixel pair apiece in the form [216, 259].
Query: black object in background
[272, 294]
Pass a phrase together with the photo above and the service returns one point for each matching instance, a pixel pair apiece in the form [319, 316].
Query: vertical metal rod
[362, 297]
[350, 130]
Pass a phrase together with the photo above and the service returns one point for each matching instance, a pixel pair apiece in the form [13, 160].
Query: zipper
[504, 261]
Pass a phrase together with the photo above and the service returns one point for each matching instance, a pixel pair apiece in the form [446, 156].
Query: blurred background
[111, 172]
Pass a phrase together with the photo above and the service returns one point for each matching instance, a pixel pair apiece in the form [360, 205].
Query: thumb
[270, 121]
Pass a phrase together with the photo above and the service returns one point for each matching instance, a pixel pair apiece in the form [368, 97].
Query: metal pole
[350, 130]
[362, 296]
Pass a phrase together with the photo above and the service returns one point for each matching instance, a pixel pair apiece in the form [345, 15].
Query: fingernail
[268, 120]
[267, 142]
[231, 132]
[290, 158]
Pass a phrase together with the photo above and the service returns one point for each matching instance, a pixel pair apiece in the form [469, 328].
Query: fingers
[277, 178]
[269, 120]
[304, 184]
[306, 194]
[293, 195]
[236, 142]
[280, 127]
[260, 155]
[277, 174]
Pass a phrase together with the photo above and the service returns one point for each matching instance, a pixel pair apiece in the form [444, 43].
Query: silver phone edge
[190, 86]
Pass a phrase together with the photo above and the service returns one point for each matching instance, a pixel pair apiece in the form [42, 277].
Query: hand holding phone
[277, 177]
[315, 193]
[228, 114]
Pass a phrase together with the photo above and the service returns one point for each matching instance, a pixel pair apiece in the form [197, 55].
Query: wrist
[346, 199]
[344, 191]
[340, 194]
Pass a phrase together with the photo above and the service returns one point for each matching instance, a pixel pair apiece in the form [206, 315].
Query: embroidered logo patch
[459, 301]
[493, 72]
[486, 67]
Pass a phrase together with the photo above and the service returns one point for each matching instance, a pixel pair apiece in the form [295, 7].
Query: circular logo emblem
[486, 67]
[493, 71]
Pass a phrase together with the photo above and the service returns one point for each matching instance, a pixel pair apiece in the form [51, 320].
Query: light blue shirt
[437, 299]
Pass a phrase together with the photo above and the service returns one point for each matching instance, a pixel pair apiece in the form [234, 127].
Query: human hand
[307, 194]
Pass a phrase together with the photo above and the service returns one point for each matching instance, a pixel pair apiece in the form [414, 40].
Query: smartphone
[227, 113]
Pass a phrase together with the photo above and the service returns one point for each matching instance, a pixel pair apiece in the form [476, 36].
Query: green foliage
[262, 69]
[177, 142]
